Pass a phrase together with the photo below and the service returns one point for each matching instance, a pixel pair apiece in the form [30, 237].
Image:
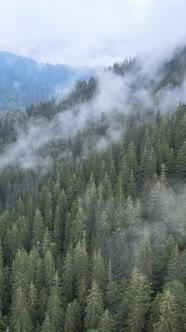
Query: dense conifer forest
[97, 241]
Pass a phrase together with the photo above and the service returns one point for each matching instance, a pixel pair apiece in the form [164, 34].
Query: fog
[115, 95]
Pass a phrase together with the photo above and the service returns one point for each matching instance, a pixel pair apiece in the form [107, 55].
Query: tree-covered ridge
[99, 242]
[24, 81]
[169, 72]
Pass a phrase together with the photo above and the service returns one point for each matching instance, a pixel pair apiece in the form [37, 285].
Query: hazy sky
[90, 32]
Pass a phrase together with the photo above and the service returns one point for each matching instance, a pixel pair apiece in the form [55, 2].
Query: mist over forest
[92, 201]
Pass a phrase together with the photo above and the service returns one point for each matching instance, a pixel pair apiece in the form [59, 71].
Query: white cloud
[89, 32]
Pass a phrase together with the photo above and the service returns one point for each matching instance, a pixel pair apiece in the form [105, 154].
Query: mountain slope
[23, 81]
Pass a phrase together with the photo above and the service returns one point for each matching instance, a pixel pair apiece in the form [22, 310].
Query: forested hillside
[23, 81]
[93, 215]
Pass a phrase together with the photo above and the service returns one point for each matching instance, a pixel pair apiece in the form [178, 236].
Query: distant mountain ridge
[24, 81]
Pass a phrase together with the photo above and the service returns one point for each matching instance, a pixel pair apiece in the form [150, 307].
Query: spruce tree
[55, 310]
[94, 308]
[139, 301]
[106, 323]
[20, 318]
[72, 317]
[68, 276]
[47, 325]
[174, 265]
[168, 317]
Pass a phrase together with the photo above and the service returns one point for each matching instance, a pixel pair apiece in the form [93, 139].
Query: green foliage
[106, 323]
[55, 309]
[72, 317]
[167, 319]
[139, 301]
[99, 242]
[94, 308]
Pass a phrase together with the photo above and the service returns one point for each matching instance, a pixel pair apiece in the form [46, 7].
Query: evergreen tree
[68, 276]
[81, 271]
[2, 279]
[47, 325]
[78, 225]
[49, 268]
[20, 318]
[178, 291]
[139, 301]
[144, 254]
[55, 309]
[106, 323]
[38, 228]
[58, 229]
[72, 317]
[32, 303]
[94, 308]
[167, 320]
[98, 269]
[174, 265]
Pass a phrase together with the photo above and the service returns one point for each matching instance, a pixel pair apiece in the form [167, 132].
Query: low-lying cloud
[115, 94]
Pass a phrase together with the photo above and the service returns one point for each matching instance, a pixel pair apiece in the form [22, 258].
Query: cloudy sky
[90, 32]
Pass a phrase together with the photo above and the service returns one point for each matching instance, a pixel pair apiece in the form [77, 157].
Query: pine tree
[90, 207]
[167, 320]
[174, 265]
[110, 166]
[62, 203]
[144, 254]
[58, 229]
[42, 304]
[32, 303]
[81, 261]
[181, 161]
[81, 272]
[102, 229]
[56, 189]
[78, 225]
[20, 275]
[2, 323]
[154, 311]
[107, 187]
[132, 158]
[49, 268]
[68, 276]
[47, 325]
[131, 187]
[98, 269]
[183, 266]
[35, 268]
[38, 228]
[106, 323]
[94, 308]
[72, 317]
[20, 207]
[147, 168]
[2, 279]
[20, 318]
[178, 291]
[139, 301]
[46, 206]
[131, 218]
[55, 309]
[157, 213]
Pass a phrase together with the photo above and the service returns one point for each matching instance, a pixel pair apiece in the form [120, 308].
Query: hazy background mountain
[23, 81]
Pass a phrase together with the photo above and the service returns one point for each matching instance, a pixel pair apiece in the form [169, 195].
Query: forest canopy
[92, 223]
